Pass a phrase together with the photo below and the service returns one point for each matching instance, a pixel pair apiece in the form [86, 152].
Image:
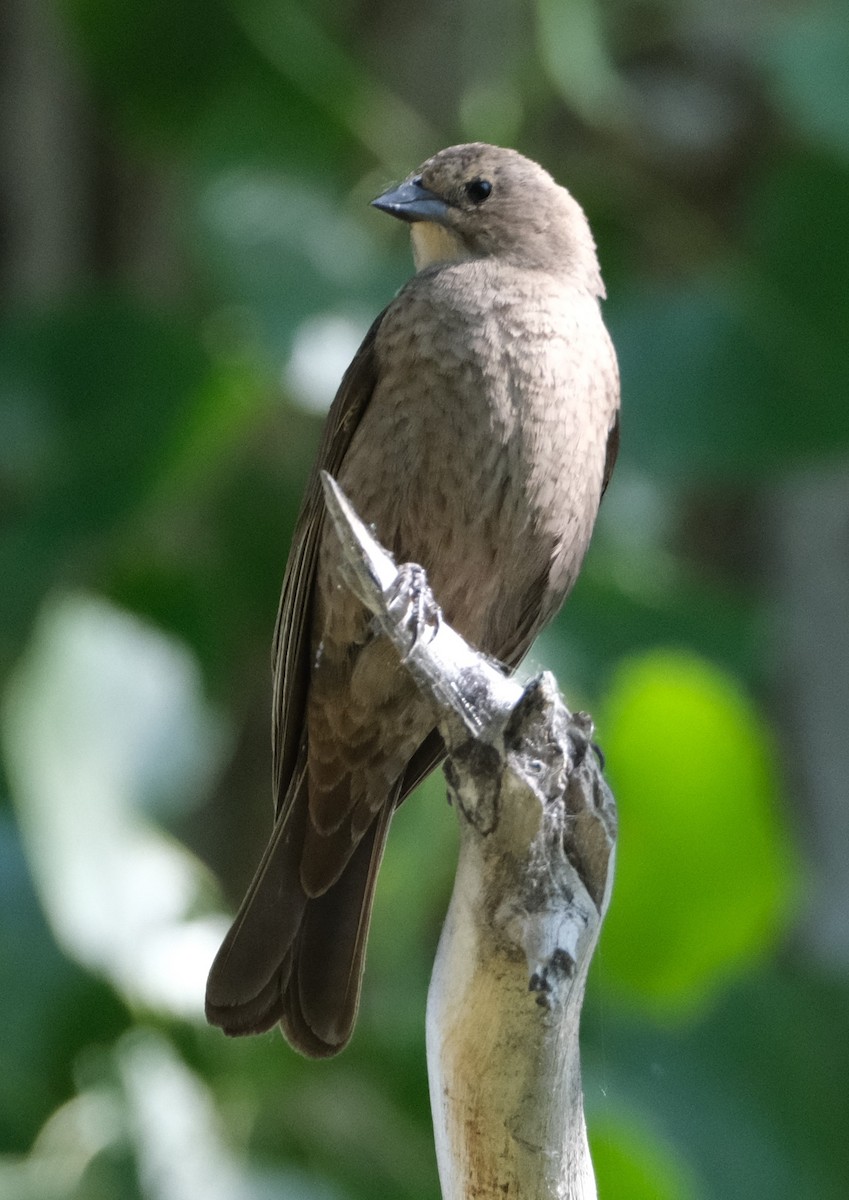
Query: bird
[476, 430]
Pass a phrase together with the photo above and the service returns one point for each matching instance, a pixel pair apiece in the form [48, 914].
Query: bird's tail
[295, 959]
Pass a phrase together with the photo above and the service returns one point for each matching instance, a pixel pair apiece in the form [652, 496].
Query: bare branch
[537, 843]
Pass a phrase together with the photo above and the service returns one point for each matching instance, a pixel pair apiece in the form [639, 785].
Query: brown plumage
[476, 428]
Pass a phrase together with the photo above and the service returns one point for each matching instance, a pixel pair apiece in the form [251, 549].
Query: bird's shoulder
[490, 312]
[483, 282]
[457, 301]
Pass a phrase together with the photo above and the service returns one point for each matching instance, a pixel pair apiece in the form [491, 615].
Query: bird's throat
[434, 243]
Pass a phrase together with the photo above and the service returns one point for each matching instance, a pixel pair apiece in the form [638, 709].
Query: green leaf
[704, 868]
[574, 53]
[187, 75]
[630, 1163]
[50, 1009]
[92, 396]
[803, 49]
[753, 1096]
[104, 724]
[742, 372]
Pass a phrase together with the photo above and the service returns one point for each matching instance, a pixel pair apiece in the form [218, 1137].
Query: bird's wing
[291, 646]
[536, 610]
[612, 452]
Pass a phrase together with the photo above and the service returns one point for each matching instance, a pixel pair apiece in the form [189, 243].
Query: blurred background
[187, 263]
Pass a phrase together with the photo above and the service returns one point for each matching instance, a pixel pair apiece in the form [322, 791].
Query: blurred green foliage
[705, 874]
[210, 164]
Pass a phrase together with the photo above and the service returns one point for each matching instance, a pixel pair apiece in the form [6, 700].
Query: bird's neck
[433, 244]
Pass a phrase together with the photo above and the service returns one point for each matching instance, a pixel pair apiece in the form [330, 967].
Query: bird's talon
[412, 605]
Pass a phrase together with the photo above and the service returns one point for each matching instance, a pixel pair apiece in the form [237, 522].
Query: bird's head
[481, 201]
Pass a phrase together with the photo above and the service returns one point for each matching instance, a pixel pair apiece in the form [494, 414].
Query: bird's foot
[411, 604]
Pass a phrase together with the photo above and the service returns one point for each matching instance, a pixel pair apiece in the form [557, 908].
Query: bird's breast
[482, 451]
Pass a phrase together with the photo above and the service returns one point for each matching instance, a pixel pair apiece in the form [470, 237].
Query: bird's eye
[478, 190]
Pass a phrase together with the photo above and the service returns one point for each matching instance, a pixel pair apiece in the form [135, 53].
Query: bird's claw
[411, 604]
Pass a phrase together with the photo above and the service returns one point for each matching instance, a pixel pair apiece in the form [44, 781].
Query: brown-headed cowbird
[476, 429]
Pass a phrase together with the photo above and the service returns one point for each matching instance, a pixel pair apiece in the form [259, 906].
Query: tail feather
[252, 967]
[293, 958]
[324, 988]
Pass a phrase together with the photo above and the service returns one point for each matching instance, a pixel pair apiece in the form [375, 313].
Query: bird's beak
[412, 202]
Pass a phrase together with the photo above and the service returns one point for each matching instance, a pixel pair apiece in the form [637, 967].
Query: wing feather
[291, 644]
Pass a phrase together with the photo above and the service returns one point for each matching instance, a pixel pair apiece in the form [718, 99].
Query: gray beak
[412, 202]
